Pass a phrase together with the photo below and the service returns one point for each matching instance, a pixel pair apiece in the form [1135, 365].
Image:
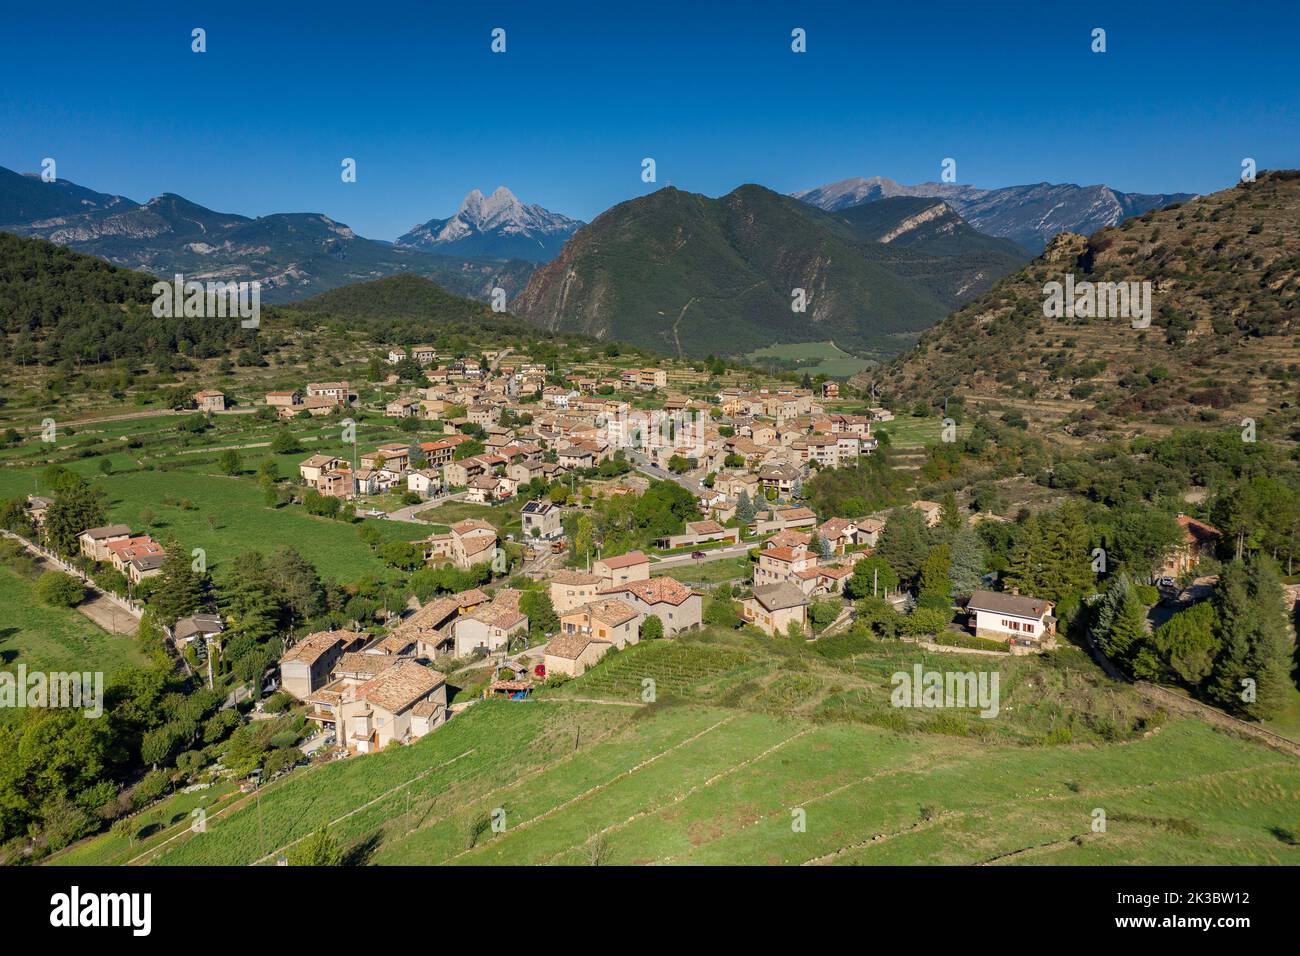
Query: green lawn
[54, 639]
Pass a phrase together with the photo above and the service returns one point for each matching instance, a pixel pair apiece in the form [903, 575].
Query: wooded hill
[1222, 345]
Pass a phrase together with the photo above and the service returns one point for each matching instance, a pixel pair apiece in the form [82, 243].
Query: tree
[230, 462]
[1128, 626]
[720, 610]
[319, 849]
[179, 591]
[745, 510]
[1052, 559]
[950, 515]
[76, 507]
[285, 443]
[1187, 643]
[935, 589]
[59, 590]
[652, 628]
[542, 619]
[872, 576]
[1251, 674]
[967, 567]
[905, 542]
[1140, 536]
[678, 465]
[879, 615]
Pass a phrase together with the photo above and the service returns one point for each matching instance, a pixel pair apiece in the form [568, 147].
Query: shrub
[59, 590]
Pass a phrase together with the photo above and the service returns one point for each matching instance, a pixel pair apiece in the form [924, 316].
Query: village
[742, 454]
[506, 436]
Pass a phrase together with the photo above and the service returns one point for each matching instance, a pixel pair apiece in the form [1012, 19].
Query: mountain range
[1029, 215]
[689, 275]
[1221, 347]
[293, 255]
[499, 226]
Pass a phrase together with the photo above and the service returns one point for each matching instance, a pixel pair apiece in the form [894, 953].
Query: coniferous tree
[1251, 674]
[180, 590]
[967, 566]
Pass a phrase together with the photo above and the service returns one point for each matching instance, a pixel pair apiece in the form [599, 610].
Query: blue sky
[261, 121]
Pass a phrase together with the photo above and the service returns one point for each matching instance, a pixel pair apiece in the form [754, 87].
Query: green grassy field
[906, 431]
[748, 739]
[815, 358]
[711, 573]
[228, 515]
[504, 517]
[54, 639]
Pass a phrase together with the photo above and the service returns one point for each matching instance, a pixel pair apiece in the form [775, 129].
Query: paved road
[643, 465]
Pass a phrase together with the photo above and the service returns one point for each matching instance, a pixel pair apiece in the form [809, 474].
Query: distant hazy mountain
[1030, 215]
[24, 198]
[293, 255]
[686, 274]
[498, 225]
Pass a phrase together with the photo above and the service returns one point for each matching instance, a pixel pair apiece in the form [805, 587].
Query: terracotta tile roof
[655, 591]
[625, 560]
[472, 524]
[1195, 532]
[364, 665]
[613, 613]
[400, 686]
[570, 646]
[704, 527]
[786, 554]
[788, 538]
[312, 647]
[575, 577]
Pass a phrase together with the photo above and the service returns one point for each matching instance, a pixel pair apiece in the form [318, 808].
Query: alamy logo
[1102, 300]
[209, 300]
[75, 909]
[74, 691]
[940, 689]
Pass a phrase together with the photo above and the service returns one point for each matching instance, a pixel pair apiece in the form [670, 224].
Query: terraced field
[730, 767]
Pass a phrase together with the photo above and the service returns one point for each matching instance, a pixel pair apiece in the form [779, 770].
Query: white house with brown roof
[1012, 618]
[490, 627]
[774, 607]
[633, 566]
[210, 400]
[573, 654]
[778, 565]
[307, 665]
[376, 713]
[678, 607]
[468, 543]
[310, 469]
[608, 619]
